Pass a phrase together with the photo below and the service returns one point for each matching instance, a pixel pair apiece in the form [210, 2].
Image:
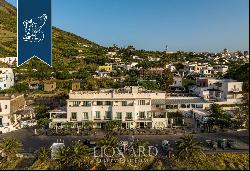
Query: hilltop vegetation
[7, 29]
[65, 44]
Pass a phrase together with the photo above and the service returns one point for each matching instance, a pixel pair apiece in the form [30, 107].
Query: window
[98, 114]
[4, 85]
[141, 102]
[183, 106]
[85, 115]
[1, 121]
[119, 115]
[73, 115]
[99, 103]
[142, 114]
[108, 114]
[199, 106]
[193, 105]
[124, 103]
[188, 105]
[129, 115]
[76, 103]
[108, 103]
[6, 106]
[168, 107]
[86, 103]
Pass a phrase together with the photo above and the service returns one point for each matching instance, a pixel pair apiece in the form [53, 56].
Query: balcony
[128, 118]
[85, 119]
[73, 119]
[144, 118]
[118, 118]
[97, 118]
[235, 90]
[107, 118]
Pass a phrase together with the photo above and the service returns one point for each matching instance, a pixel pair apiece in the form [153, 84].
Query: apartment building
[9, 104]
[219, 90]
[6, 78]
[134, 106]
[131, 105]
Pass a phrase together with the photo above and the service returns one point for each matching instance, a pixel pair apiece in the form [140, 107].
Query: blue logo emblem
[34, 31]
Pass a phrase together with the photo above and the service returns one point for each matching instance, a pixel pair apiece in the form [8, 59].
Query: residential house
[76, 85]
[9, 104]
[152, 59]
[105, 68]
[35, 85]
[58, 116]
[219, 90]
[49, 86]
[6, 78]
[177, 85]
[171, 67]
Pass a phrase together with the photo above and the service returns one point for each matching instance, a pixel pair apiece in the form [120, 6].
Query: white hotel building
[134, 106]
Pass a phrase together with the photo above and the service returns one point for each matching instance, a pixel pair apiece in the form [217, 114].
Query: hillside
[65, 44]
[7, 29]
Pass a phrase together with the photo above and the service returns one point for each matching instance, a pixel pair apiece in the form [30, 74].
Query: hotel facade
[134, 106]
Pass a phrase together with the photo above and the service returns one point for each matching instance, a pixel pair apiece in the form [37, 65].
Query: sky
[185, 25]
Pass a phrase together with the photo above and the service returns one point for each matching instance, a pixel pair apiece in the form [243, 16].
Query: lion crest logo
[33, 29]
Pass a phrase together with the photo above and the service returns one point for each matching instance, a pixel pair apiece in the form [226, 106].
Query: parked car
[92, 145]
[165, 144]
[222, 143]
[231, 144]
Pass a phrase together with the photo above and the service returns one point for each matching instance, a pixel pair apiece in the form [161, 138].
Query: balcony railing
[235, 90]
[107, 118]
[97, 118]
[144, 118]
[118, 118]
[73, 119]
[128, 118]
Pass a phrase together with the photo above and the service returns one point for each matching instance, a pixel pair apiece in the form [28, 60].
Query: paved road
[32, 142]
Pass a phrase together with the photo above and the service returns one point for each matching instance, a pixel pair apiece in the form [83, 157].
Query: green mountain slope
[65, 44]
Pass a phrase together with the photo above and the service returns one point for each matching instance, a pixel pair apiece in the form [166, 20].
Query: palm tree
[108, 141]
[78, 154]
[111, 125]
[62, 157]
[88, 124]
[43, 154]
[10, 147]
[187, 148]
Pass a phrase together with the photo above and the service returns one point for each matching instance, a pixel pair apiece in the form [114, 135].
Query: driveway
[32, 142]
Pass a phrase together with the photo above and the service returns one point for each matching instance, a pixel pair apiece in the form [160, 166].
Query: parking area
[32, 142]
